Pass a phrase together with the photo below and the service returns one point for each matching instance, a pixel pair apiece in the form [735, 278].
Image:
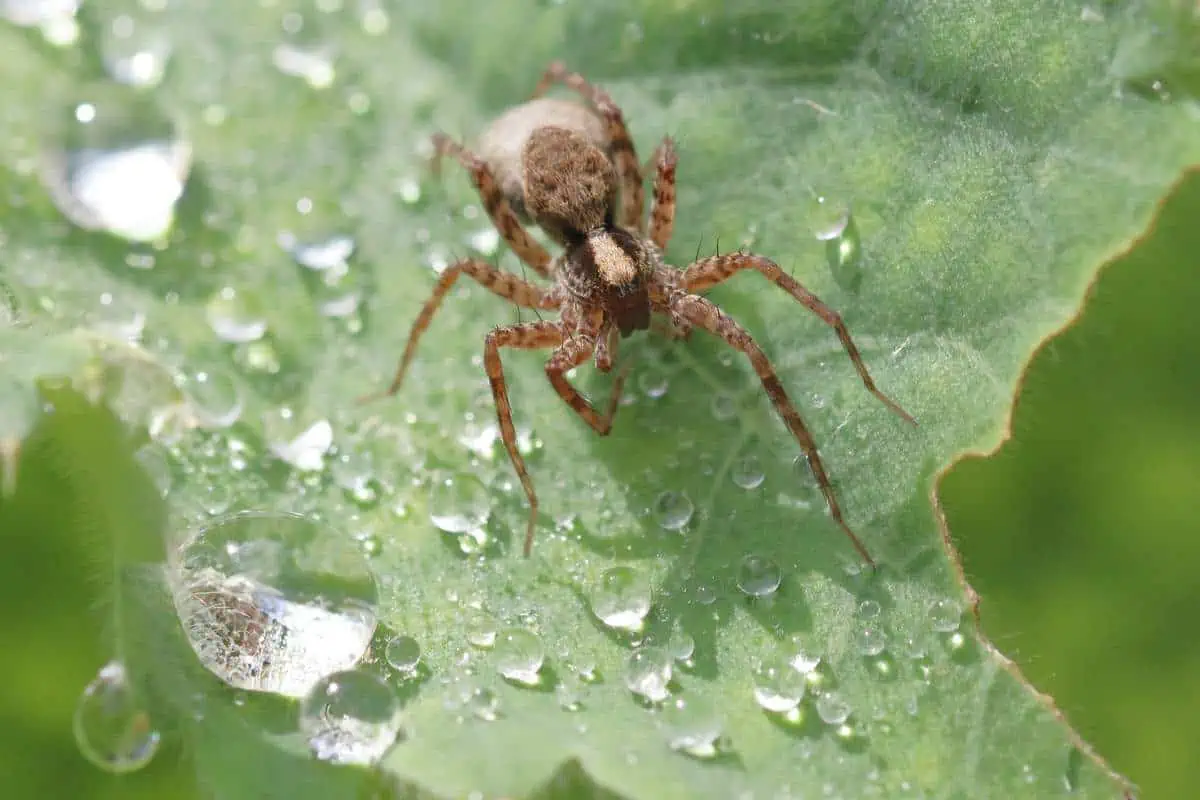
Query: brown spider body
[573, 171]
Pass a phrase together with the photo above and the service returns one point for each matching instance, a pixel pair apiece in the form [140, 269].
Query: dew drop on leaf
[313, 63]
[758, 576]
[778, 687]
[748, 472]
[135, 53]
[673, 510]
[483, 704]
[519, 656]
[301, 445]
[648, 673]
[622, 599]
[692, 727]
[350, 717]
[869, 609]
[273, 602]
[458, 503]
[832, 708]
[402, 653]
[723, 406]
[681, 645]
[480, 628]
[871, 641]
[112, 729]
[235, 316]
[828, 217]
[653, 384]
[213, 396]
[944, 615]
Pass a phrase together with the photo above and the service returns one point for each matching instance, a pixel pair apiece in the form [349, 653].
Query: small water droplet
[313, 63]
[779, 687]
[480, 628]
[648, 673]
[759, 576]
[213, 396]
[692, 727]
[459, 502]
[55, 18]
[236, 316]
[748, 472]
[869, 609]
[120, 167]
[871, 641]
[653, 384]
[112, 729]
[350, 717]
[944, 615]
[292, 441]
[828, 218]
[723, 406]
[681, 645]
[519, 656]
[484, 704]
[622, 600]
[332, 253]
[135, 53]
[272, 602]
[485, 241]
[832, 708]
[403, 653]
[673, 510]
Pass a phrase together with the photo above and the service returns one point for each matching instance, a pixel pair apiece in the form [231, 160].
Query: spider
[572, 170]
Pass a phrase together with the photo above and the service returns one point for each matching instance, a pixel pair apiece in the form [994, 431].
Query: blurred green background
[1082, 535]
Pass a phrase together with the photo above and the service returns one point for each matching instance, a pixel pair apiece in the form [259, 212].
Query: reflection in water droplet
[692, 728]
[871, 641]
[236, 316]
[303, 447]
[119, 167]
[759, 576]
[673, 510]
[350, 717]
[805, 662]
[403, 653]
[779, 687]
[519, 656]
[622, 600]
[273, 602]
[828, 218]
[832, 708]
[748, 472]
[458, 503]
[844, 255]
[213, 396]
[648, 673]
[944, 615]
[111, 728]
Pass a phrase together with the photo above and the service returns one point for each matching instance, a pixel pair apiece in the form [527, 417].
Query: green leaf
[991, 164]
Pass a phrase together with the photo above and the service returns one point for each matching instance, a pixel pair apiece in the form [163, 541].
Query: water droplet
[485, 241]
[236, 316]
[119, 167]
[869, 609]
[681, 645]
[484, 704]
[692, 728]
[292, 441]
[350, 717]
[779, 687]
[844, 255]
[213, 397]
[828, 217]
[871, 641]
[653, 384]
[622, 600]
[748, 472]
[134, 52]
[805, 662]
[480, 628]
[55, 18]
[944, 615]
[832, 708]
[403, 653]
[758, 576]
[327, 254]
[648, 673]
[273, 602]
[673, 510]
[519, 656]
[458, 503]
[314, 64]
[111, 728]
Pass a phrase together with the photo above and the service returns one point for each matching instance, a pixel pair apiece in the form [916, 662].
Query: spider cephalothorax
[573, 171]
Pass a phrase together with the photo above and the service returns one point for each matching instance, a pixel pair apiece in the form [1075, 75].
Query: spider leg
[528, 336]
[573, 352]
[704, 314]
[504, 284]
[606, 349]
[624, 154]
[494, 202]
[708, 272]
[662, 211]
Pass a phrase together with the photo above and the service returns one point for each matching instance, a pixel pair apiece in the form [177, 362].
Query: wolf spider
[563, 166]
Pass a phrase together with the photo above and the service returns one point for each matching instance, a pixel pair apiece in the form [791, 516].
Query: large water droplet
[273, 602]
[350, 717]
[622, 600]
[759, 576]
[120, 167]
[111, 727]
[403, 653]
[779, 687]
[519, 656]
[692, 727]
[944, 615]
[748, 472]
[458, 503]
[648, 673]
[673, 510]
[832, 708]
[236, 316]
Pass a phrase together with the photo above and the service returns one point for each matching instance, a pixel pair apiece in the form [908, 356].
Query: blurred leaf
[989, 164]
